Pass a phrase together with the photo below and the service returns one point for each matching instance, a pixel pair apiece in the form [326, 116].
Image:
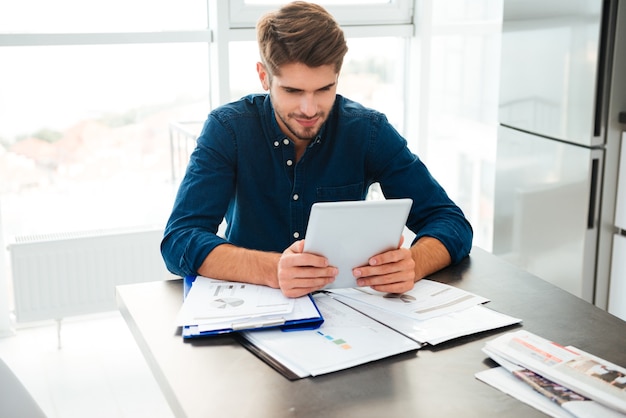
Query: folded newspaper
[566, 375]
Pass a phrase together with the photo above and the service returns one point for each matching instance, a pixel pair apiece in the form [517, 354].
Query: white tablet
[348, 233]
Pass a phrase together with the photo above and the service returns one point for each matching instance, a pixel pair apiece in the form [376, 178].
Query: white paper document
[427, 299]
[346, 339]
[212, 301]
[431, 313]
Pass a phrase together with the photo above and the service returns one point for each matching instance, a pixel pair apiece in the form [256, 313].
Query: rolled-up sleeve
[201, 202]
[402, 174]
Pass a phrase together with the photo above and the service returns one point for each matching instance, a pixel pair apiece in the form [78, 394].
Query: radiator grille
[56, 276]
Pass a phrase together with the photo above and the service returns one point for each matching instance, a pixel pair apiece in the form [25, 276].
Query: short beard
[295, 134]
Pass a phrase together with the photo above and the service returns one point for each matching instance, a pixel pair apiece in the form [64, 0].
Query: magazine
[549, 399]
[584, 374]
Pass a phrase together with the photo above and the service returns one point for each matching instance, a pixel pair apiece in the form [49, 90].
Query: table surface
[218, 377]
[15, 400]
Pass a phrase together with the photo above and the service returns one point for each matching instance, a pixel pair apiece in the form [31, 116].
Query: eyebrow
[321, 88]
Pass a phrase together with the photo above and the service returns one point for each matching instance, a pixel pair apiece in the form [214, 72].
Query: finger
[308, 273]
[302, 260]
[298, 291]
[302, 286]
[385, 279]
[297, 247]
[400, 287]
[386, 263]
[312, 278]
[392, 256]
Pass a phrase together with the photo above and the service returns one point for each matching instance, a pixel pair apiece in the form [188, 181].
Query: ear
[263, 75]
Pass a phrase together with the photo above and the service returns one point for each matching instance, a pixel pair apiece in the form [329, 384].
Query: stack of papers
[345, 339]
[431, 313]
[559, 381]
[362, 325]
[336, 329]
[217, 307]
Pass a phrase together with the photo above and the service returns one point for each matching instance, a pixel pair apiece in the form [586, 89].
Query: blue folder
[192, 331]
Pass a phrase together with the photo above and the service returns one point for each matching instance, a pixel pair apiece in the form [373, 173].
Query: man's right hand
[300, 273]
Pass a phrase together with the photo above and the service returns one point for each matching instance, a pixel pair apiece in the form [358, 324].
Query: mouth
[307, 122]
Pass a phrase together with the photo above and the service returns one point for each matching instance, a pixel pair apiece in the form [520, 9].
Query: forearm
[430, 255]
[228, 262]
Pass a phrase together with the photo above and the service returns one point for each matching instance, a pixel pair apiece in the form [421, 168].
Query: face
[302, 97]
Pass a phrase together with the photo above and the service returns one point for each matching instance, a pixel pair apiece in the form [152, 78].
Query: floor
[98, 371]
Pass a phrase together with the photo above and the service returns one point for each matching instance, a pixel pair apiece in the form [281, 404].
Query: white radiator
[57, 276]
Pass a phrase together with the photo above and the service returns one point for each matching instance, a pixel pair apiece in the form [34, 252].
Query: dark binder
[292, 324]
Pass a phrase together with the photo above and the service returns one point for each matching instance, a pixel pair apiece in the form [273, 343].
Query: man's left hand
[392, 271]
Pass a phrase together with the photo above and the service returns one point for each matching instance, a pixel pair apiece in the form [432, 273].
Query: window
[456, 102]
[85, 104]
[88, 102]
[113, 71]
[85, 132]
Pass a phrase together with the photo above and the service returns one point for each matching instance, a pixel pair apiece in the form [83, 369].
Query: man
[261, 163]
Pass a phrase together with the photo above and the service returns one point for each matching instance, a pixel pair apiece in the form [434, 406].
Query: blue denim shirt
[244, 169]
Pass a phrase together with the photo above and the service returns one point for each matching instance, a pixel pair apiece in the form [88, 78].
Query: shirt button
[296, 197]
[289, 163]
[276, 143]
[296, 235]
[286, 141]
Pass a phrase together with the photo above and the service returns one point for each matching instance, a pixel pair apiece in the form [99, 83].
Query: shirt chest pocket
[355, 191]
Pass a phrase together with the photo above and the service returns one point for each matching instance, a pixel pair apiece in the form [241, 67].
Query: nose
[308, 105]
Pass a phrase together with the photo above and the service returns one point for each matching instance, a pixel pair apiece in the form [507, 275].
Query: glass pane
[462, 91]
[84, 133]
[242, 69]
[372, 74]
[466, 11]
[75, 16]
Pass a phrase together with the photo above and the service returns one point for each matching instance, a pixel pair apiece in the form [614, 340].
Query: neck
[300, 146]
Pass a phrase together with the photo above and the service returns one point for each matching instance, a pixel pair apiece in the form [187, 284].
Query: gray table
[218, 377]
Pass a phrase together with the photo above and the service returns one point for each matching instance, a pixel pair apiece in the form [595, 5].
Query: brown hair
[300, 32]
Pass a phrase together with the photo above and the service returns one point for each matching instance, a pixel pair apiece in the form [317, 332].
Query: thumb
[297, 247]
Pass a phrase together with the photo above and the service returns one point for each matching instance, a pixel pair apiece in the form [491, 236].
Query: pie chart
[226, 303]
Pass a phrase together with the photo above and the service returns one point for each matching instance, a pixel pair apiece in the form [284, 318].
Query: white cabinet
[617, 292]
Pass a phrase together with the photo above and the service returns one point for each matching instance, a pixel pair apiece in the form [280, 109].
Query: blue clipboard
[192, 331]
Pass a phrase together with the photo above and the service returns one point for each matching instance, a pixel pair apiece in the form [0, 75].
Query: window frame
[104, 38]
[394, 12]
